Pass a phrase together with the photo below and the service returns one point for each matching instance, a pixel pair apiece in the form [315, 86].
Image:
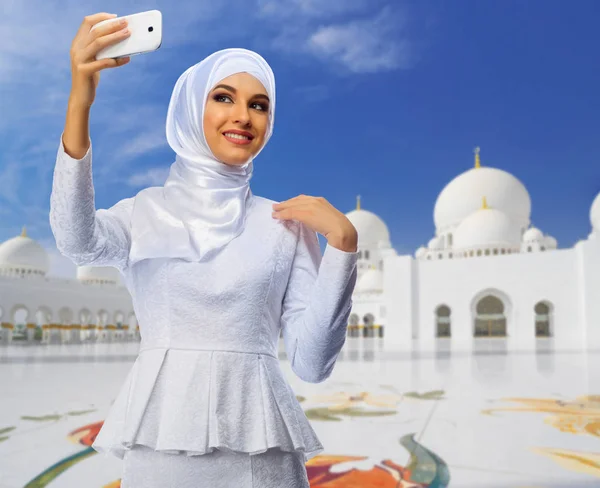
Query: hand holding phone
[146, 35]
[85, 69]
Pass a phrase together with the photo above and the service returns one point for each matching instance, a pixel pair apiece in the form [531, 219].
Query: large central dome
[462, 196]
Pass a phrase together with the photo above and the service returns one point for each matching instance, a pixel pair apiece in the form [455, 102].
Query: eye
[261, 106]
[220, 96]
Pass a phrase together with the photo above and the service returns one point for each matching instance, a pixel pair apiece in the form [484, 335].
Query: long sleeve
[316, 306]
[83, 234]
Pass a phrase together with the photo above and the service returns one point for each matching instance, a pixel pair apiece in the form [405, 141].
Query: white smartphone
[145, 35]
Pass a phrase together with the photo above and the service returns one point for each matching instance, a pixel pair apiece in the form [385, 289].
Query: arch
[369, 321]
[490, 310]
[544, 311]
[443, 323]
[353, 325]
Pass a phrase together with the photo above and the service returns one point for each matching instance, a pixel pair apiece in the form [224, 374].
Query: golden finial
[24, 232]
[477, 159]
[484, 205]
[358, 202]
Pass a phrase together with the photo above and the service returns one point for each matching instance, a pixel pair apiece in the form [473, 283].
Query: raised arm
[316, 306]
[83, 234]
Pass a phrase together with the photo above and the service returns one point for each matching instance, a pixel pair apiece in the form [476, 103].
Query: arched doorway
[442, 321]
[369, 320]
[543, 319]
[353, 325]
[490, 320]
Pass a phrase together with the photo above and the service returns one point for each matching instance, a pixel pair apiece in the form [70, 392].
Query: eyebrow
[233, 90]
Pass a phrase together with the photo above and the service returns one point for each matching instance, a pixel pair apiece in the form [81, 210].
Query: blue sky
[382, 99]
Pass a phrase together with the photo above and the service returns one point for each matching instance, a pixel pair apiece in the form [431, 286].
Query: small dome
[486, 228]
[420, 252]
[435, 244]
[550, 242]
[371, 280]
[24, 252]
[370, 228]
[533, 234]
[462, 196]
[595, 214]
[98, 274]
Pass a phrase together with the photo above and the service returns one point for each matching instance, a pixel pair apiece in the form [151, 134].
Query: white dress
[207, 376]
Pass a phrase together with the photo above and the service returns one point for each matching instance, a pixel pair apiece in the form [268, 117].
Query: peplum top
[207, 375]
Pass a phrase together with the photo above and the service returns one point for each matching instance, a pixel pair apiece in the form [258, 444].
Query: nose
[241, 115]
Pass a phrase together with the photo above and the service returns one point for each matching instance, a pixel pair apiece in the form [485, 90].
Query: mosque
[487, 276]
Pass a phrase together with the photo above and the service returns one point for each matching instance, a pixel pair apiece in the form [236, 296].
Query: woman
[215, 275]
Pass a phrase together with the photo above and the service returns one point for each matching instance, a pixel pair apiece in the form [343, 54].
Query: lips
[239, 133]
[238, 137]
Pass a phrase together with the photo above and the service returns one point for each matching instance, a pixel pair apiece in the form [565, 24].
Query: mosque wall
[588, 268]
[400, 296]
[52, 295]
[520, 281]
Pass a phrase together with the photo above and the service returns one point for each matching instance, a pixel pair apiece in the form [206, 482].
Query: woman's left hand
[322, 217]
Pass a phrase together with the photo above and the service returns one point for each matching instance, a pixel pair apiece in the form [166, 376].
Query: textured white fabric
[207, 375]
[146, 468]
[203, 204]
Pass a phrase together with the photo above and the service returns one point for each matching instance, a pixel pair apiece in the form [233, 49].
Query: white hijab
[203, 203]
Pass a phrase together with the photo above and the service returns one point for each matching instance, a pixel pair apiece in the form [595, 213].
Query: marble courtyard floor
[386, 418]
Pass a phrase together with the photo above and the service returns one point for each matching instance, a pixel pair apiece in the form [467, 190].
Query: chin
[237, 157]
[235, 161]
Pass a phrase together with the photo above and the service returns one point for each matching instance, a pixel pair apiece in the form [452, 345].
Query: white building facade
[487, 276]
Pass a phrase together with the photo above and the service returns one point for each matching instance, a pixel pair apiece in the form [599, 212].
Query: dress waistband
[148, 348]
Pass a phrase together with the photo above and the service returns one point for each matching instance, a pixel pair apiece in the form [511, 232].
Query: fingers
[91, 20]
[98, 42]
[94, 66]
[89, 42]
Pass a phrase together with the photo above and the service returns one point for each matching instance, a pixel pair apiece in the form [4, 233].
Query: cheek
[210, 124]
[262, 126]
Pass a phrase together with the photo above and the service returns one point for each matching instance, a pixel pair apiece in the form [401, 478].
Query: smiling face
[236, 118]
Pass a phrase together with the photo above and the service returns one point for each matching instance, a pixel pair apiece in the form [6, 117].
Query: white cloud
[149, 177]
[285, 9]
[144, 143]
[366, 45]
[363, 46]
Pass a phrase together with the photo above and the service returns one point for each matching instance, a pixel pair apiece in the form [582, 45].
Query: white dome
[550, 242]
[24, 252]
[533, 234]
[595, 213]
[435, 244]
[420, 252]
[372, 280]
[462, 196]
[98, 274]
[486, 228]
[370, 228]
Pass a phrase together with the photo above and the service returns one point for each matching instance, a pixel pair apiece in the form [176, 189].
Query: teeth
[236, 136]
